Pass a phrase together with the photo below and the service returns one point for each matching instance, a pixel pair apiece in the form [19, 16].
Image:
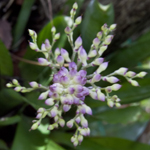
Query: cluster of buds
[70, 81]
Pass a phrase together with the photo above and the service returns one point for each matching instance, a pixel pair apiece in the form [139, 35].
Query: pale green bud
[75, 6]
[78, 20]
[141, 74]
[112, 27]
[34, 126]
[14, 81]
[53, 30]
[9, 85]
[57, 36]
[134, 82]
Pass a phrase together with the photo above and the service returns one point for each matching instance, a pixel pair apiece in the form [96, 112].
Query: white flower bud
[102, 67]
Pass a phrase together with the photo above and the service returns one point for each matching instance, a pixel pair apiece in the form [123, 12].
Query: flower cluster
[71, 83]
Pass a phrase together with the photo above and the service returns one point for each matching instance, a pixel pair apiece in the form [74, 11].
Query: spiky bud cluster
[72, 84]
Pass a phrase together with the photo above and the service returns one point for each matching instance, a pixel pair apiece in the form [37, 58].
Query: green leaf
[123, 115]
[9, 120]
[33, 140]
[8, 100]
[97, 143]
[130, 94]
[129, 131]
[6, 66]
[132, 55]
[22, 20]
[95, 16]
[3, 145]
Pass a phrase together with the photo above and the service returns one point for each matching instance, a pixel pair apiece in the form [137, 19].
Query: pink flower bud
[70, 123]
[78, 42]
[84, 122]
[39, 115]
[134, 82]
[99, 35]
[43, 95]
[47, 45]
[66, 108]
[98, 61]
[57, 52]
[121, 71]
[54, 111]
[80, 138]
[96, 42]
[116, 87]
[41, 110]
[78, 120]
[93, 53]
[62, 122]
[65, 55]
[60, 60]
[96, 78]
[67, 30]
[100, 95]
[34, 84]
[111, 79]
[82, 55]
[102, 67]
[49, 102]
[130, 74]
[43, 61]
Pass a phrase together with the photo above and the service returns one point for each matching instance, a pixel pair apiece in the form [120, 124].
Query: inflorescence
[71, 83]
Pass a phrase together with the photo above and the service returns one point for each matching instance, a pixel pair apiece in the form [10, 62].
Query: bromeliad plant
[70, 81]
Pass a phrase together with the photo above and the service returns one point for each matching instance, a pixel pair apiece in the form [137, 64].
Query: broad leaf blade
[22, 19]
[32, 140]
[95, 16]
[6, 66]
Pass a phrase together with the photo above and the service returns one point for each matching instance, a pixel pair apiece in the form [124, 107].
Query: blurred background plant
[125, 128]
